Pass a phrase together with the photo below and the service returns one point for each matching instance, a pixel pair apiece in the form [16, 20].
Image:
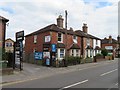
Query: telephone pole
[66, 38]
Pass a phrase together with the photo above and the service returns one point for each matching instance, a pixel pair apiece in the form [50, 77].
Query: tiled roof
[74, 46]
[106, 41]
[86, 35]
[89, 47]
[2, 18]
[97, 48]
[9, 39]
[54, 27]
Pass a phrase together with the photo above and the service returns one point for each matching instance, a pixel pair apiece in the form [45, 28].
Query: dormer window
[60, 37]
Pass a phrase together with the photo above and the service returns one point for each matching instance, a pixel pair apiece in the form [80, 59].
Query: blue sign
[53, 47]
[38, 55]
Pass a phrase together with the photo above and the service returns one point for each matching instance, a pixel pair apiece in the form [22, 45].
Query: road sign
[20, 36]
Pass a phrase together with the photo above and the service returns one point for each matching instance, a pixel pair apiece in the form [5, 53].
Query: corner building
[79, 43]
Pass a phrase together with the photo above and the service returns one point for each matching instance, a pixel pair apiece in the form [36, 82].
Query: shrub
[89, 60]
[104, 52]
[99, 54]
[73, 60]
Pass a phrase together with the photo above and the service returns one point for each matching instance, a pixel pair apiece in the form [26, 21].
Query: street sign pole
[18, 62]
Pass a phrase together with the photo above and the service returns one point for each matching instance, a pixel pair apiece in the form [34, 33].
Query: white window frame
[88, 41]
[75, 53]
[74, 38]
[61, 38]
[35, 39]
[58, 53]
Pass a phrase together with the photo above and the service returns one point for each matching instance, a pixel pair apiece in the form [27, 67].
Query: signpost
[18, 62]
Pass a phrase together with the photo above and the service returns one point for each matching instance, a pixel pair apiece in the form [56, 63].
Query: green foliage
[104, 52]
[73, 60]
[98, 54]
[89, 60]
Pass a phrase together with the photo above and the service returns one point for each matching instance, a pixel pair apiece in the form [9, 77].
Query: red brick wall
[2, 33]
[30, 45]
[114, 45]
[69, 39]
[54, 37]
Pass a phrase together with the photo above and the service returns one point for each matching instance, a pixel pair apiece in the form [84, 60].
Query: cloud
[32, 15]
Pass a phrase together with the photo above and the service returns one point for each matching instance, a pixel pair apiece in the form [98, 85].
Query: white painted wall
[94, 45]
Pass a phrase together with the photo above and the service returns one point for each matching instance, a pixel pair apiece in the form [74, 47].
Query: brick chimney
[60, 21]
[85, 28]
[110, 39]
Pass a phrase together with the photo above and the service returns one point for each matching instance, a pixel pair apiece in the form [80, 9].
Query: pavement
[32, 71]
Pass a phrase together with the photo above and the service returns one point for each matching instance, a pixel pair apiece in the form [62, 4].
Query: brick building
[3, 22]
[110, 44]
[9, 45]
[79, 43]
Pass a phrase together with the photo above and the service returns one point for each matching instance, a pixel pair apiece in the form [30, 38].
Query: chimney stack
[110, 39]
[85, 28]
[60, 21]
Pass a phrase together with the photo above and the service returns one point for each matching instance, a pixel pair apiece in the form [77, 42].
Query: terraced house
[79, 42]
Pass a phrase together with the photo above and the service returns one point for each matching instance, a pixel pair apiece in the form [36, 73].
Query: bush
[99, 54]
[104, 52]
[73, 60]
[89, 60]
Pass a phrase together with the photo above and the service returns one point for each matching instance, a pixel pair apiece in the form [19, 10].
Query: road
[104, 75]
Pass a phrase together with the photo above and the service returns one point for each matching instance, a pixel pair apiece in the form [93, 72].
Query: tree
[104, 52]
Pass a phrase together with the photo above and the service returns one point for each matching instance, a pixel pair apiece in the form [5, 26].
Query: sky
[101, 16]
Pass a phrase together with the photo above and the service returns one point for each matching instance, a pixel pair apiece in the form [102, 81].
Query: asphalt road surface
[104, 75]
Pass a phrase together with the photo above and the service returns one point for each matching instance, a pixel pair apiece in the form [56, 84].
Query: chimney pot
[60, 21]
[85, 28]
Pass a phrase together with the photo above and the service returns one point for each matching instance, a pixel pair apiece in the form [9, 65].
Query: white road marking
[113, 86]
[108, 72]
[74, 84]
